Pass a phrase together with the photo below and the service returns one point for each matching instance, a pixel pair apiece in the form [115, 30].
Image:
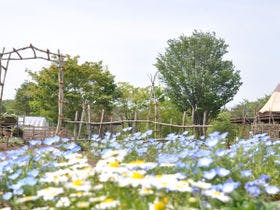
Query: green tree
[23, 98]
[9, 106]
[89, 83]
[249, 108]
[222, 124]
[196, 75]
[133, 100]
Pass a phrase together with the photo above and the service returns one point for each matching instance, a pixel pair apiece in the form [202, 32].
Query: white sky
[128, 35]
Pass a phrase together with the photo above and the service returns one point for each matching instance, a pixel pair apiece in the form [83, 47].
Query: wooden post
[89, 121]
[1, 83]
[76, 126]
[101, 121]
[193, 110]
[60, 92]
[2, 79]
[170, 125]
[204, 122]
[111, 125]
[81, 121]
[135, 122]
[184, 120]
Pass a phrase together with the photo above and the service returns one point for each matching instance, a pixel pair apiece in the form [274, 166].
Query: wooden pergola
[34, 53]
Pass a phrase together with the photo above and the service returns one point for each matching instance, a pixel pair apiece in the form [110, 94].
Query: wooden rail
[40, 133]
[121, 122]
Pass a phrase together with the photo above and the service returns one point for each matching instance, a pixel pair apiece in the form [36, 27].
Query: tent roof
[273, 104]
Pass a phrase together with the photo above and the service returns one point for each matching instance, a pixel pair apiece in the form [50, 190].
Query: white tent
[273, 104]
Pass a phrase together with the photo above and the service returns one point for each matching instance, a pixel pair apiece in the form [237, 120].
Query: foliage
[133, 171]
[89, 83]
[133, 100]
[155, 107]
[222, 124]
[24, 97]
[9, 106]
[249, 108]
[196, 75]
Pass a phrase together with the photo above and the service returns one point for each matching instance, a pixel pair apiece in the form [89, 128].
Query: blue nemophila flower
[204, 162]
[65, 140]
[185, 133]
[261, 181]
[30, 181]
[70, 146]
[51, 140]
[201, 153]
[15, 175]
[33, 173]
[141, 151]
[222, 172]
[230, 185]
[253, 190]
[221, 152]
[171, 137]
[167, 158]
[213, 139]
[2, 156]
[35, 142]
[7, 196]
[127, 129]
[246, 173]
[148, 132]
[210, 174]
[272, 190]
[23, 160]
[16, 186]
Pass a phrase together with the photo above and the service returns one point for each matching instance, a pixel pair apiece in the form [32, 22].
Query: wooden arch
[34, 53]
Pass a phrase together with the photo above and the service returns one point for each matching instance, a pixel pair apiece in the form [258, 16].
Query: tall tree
[88, 83]
[24, 95]
[196, 75]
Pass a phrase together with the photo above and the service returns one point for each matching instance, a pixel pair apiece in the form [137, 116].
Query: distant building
[268, 118]
[34, 121]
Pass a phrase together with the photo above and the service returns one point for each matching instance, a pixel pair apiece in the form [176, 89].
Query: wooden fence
[40, 133]
[134, 123]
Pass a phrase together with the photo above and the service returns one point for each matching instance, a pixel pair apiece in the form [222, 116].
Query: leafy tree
[196, 75]
[23, 98]
[141, 101]
[222, 124]
[132, 100]
[88, 83]
[248, 108]
[9, 106]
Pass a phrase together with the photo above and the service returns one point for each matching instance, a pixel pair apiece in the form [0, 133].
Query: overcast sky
[128, 35]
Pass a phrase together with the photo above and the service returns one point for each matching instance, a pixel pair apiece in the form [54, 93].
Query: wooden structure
[101, 126]
[42, 132]
[34, 53]
[267, 119]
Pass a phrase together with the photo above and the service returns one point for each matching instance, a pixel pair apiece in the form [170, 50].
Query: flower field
[134, 171]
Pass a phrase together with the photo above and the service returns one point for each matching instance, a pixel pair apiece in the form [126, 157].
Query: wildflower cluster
[135, 171]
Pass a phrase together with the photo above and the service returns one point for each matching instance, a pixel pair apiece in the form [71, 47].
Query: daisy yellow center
[108, 200]
[137, 162]
[78, 182]
[114, 164]
[217, 193]
[192, 200]
[159, 206]
[137, 175]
